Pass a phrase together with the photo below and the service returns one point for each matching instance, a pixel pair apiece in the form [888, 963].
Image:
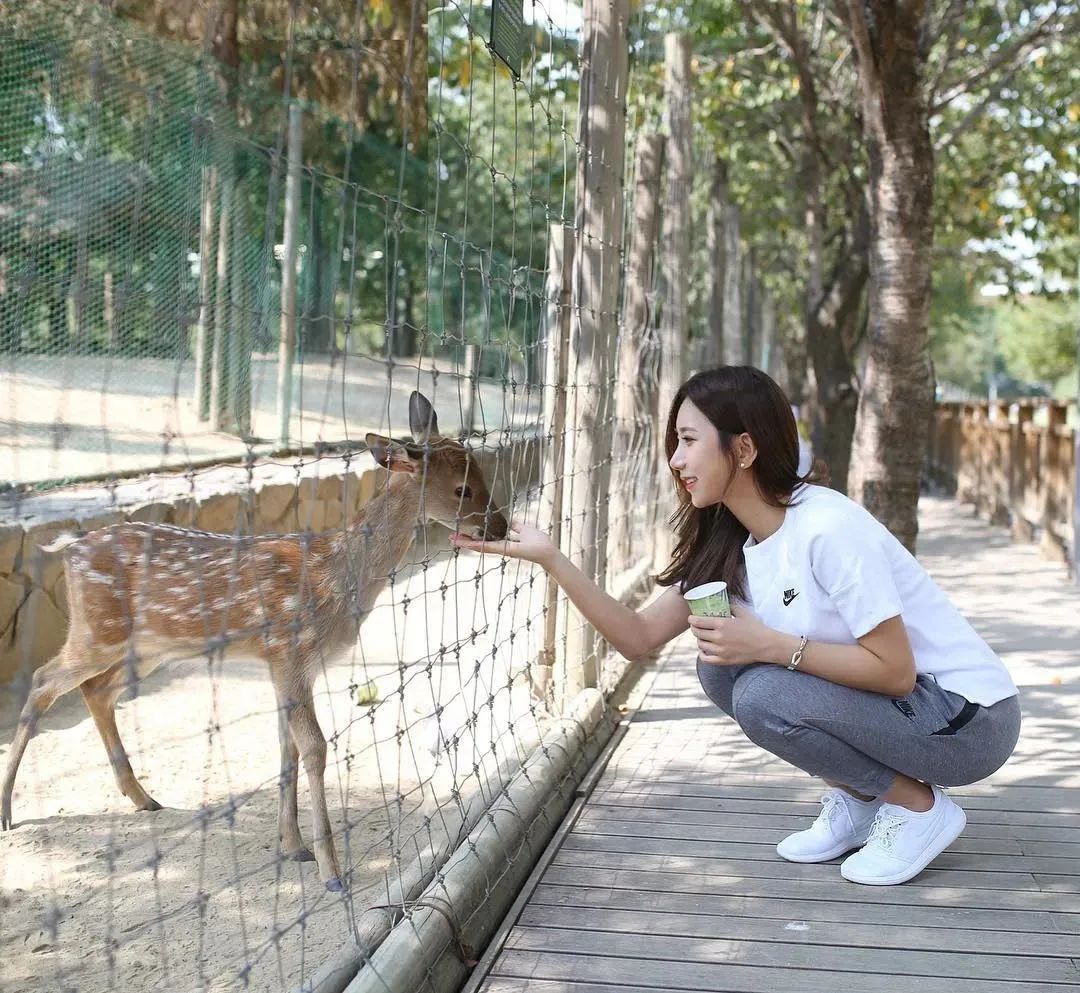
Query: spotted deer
[141, 594]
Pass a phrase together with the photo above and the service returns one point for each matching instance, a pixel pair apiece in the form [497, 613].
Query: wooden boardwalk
[668, 879]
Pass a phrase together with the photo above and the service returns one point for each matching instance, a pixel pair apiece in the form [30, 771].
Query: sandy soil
[95, 896]
[74, 416]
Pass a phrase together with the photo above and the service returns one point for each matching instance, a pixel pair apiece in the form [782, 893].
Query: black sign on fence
[507, 33]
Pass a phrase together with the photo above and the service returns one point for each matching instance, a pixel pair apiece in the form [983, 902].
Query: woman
[843, 657]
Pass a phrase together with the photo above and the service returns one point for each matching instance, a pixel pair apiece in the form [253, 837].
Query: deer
[143, 594]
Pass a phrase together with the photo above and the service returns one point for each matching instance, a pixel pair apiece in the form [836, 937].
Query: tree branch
[1043, 28]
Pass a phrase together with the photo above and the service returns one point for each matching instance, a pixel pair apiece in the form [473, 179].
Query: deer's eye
[463, 492]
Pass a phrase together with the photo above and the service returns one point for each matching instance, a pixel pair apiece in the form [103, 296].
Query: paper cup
[709, 600]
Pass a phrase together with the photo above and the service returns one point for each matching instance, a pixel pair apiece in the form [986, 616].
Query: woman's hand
[736, 640]
[523, 541]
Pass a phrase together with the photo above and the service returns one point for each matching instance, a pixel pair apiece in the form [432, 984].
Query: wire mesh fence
[414, 276]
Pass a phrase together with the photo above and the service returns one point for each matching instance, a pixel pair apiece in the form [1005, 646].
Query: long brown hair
[736, 399]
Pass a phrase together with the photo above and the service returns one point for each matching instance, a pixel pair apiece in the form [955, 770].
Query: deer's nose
[495, 527]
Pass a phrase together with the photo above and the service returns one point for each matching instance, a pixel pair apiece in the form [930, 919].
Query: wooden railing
[1016, 463]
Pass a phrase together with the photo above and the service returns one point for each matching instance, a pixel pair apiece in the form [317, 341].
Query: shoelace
[831, 805]
[884, 830]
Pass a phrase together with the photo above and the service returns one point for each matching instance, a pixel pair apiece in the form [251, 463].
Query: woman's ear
[745, 451]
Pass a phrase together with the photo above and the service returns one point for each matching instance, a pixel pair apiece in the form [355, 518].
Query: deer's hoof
[302, 855]
[335, 885]
[151, 804]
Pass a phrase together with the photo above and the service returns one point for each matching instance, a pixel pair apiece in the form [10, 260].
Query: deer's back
[152, 581]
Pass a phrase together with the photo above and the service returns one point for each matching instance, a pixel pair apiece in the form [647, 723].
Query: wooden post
[472, 384]
[648, 155]
[636, 383]
[1020, 471]
[598, 223]
[240, 338]
[287, 343]
[220, 373]
[675, 258]
[999, 467]
[556, 338]
[207, 243]
[1053, 471]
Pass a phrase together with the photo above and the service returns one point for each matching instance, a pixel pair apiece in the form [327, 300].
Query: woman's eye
[463, 493]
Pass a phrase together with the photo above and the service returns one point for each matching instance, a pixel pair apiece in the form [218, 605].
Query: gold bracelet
[796, 657]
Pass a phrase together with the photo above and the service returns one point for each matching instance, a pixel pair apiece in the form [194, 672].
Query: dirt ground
[97, 897]
[73, 416]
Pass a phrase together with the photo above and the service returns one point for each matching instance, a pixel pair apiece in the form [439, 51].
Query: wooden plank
[799, 930]
[791, 955]
[505, 984]
[719, 866]
[729, 977]
[923, 915]
[1035, 798]
[730, 853]
[630, 801]
[759, 843]
[939, 889]
[724, 820]
[723, 781]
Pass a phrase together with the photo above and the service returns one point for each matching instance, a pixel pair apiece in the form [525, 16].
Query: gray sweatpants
[863, 739]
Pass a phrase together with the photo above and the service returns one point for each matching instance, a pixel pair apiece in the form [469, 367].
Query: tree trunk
[897, 396]
[318, 322]
[637, 386]
[833, 329]
[714, 246]
[733, 348]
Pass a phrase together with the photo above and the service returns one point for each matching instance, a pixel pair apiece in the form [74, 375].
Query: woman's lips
[690, 482]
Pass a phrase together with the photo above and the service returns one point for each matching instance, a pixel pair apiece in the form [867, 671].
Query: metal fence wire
[252, 254]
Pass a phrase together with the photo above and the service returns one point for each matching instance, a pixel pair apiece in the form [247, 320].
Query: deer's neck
[378, 539]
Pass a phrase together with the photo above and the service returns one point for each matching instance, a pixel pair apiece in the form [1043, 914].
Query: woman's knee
[762, 702]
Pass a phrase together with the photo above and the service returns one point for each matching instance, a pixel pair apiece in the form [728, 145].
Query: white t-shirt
[833, 572]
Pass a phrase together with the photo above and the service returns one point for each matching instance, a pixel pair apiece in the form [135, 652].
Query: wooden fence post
[1053, 471]
[207, 241]
[1020, 470]
[287, 342]
[675, 258]
[594, 311]
[556, 340]
[636, 319]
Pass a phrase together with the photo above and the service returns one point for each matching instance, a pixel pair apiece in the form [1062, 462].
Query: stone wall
[264, 498]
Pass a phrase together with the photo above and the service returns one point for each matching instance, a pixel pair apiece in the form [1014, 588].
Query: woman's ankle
[910, 794]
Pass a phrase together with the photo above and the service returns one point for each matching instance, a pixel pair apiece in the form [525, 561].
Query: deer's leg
[100, 693]
[50, 682]
[288, 815]
[311, 742]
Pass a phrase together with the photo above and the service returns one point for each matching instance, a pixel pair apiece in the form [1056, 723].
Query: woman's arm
[631, 633]
[881, 662]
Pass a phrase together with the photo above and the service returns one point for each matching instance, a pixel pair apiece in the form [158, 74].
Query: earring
[742, 465]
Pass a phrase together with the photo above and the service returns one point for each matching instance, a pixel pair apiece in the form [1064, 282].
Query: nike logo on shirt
[789, 595]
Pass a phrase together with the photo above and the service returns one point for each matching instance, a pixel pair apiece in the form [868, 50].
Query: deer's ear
[422, 420]
[390, 454]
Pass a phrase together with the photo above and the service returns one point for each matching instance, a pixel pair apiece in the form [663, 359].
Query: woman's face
[701, 464]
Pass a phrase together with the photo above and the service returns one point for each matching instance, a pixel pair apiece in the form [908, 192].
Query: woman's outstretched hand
[523, 541]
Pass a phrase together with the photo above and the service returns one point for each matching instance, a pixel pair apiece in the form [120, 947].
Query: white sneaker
[902, 842]
[843, 824]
